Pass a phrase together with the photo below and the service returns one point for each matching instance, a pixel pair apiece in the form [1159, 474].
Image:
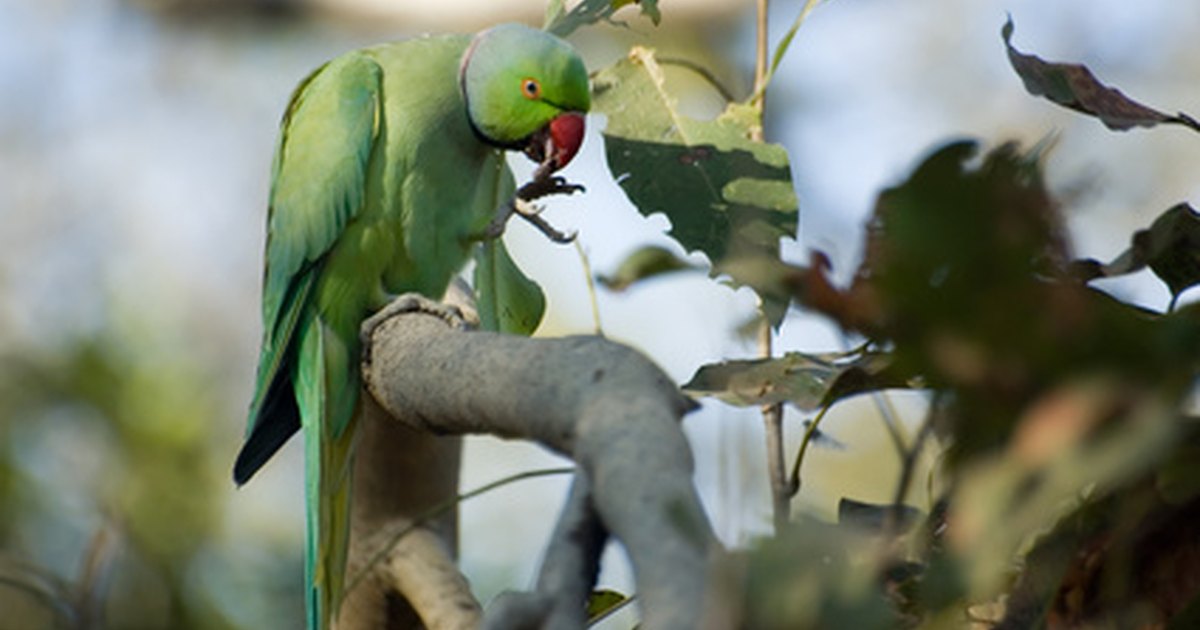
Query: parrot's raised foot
[531, 213]
[542, 185]
[410, 303]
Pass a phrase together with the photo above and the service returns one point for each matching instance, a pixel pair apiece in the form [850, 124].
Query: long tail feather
[327, 389]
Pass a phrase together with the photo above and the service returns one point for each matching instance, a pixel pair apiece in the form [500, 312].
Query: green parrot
[390, 160]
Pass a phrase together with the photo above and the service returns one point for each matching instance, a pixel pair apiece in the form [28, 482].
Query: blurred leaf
[725, 194]
[555, 10]
[604, 602]
[1188, 618]
[646, 262]
[563, 23]
[1178, 478]
[811, 575]
[808, 381]
[1170, 247]
[508, 301]
[1074, 86]
[50, 593]
[873, 517]
[1003, 503]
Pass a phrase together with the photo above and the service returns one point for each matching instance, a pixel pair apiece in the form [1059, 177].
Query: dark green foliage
[1170, 247]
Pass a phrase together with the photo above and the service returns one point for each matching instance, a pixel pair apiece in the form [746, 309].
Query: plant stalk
[772, 414]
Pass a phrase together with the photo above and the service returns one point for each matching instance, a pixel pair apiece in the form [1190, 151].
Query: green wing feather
[308, 374]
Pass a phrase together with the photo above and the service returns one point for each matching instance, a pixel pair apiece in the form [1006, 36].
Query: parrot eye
[531, 88]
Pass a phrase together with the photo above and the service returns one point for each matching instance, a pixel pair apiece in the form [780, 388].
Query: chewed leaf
[808, 381]
[646, 262]
[562, 22]
[1074, 86]
[1170, 247]
[726, 195]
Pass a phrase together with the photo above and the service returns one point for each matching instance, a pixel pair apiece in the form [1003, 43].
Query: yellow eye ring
[531, 89]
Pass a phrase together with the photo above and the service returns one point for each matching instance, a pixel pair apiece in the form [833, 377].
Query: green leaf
[726, 195]
[508, 300]
[808, 381]
[1074, 86]
[782, 48]
[873, 517]
[646, 262]
[555, 10]
[1170, 247]
[603, 602]
[563, 23]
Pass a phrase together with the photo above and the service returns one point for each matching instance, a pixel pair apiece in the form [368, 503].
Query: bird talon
[404, 304]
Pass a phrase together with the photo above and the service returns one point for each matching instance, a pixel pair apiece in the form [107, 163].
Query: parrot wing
[333, 123]
[329, 132]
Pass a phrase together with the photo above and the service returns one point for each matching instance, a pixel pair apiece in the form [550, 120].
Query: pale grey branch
[600, 403]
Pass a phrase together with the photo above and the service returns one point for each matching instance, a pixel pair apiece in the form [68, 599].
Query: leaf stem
[794, 482]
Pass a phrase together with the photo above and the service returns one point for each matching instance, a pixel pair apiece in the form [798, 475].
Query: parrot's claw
[409, 303]
[531, 213]
[542, 185]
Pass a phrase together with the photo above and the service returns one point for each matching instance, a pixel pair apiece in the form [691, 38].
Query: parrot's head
[526, 89]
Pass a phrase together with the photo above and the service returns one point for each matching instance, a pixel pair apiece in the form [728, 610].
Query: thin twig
[442, 508]
[591, 287]
[760, 63]
[887, 412]
[781, 49]
[772, 414]
[892, 521]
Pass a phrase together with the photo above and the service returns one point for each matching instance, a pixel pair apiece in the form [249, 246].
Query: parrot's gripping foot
[409, 303]
[542, 185]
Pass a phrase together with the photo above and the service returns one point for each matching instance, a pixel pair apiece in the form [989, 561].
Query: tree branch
[600, 403]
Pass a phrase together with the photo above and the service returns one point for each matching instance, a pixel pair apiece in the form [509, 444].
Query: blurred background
[135, 145]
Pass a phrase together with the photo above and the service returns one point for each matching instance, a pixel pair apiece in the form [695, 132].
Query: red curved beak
[566, 136]
[556, 144]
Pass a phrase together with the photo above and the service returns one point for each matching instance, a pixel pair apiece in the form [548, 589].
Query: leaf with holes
[726, 195]
[646, 262]
[562, 22]
[1170, 247]
[1074, 86]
